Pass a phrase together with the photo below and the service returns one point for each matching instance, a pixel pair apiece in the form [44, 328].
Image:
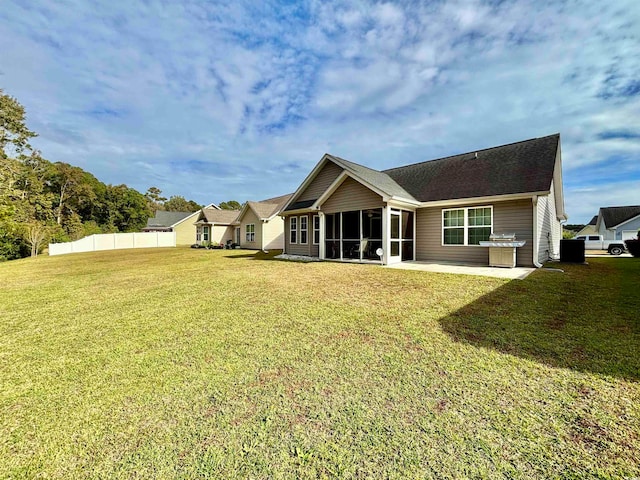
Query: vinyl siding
[351, 195]
[508, 217]
[186, 231]
[323, 180]
[221, 233]
[297, 248]
[549, 228]
[273, 232]
[248, 218]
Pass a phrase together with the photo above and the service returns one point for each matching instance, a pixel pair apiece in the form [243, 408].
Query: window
[251, 232]
[316, 229]
[303, 229]
[198, 234]
[293, 230]
[205, 233]
[466, 226]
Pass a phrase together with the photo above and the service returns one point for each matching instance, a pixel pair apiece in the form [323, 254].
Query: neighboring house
[259, 226]
[588, 229]
[437, 210]
[179, 222]
[618, 223]
[214, 225]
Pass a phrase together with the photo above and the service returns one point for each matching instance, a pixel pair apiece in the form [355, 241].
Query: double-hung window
[466, 226]
[250, 232]
[303, 229]
[293, 230]
[316, 229]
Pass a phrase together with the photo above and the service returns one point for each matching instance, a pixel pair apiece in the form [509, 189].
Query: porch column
[386, 237]
[322, 246]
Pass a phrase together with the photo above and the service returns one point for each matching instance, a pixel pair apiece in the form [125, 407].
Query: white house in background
[589, 228]
[213, 225]
[618, 223]
[179, 222]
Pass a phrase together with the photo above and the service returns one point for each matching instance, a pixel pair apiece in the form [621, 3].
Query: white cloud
[119, 87]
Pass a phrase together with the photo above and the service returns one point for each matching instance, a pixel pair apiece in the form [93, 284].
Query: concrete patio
[517, 273]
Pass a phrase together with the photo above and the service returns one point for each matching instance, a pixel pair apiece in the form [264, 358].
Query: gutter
[536, 240]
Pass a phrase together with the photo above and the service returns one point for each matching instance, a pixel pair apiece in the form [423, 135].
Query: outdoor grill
[502, 249]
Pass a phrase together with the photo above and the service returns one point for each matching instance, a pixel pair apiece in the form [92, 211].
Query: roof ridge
[469, 153]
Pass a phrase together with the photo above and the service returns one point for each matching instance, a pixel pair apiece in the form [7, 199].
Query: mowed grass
[180, 363]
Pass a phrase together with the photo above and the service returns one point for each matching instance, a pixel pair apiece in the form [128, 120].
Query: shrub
[633, 246]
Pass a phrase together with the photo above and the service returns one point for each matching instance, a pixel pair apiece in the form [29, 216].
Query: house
[179, 222]
[618, 223]
[589, 228]
[259, 226]
[214, 225]
[437, 210]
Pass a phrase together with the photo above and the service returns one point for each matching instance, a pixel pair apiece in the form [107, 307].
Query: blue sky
[239, 100]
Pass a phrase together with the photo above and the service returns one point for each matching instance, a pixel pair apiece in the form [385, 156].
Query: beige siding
[186, 231]
[321, 182]
[248, 218]
[351, 195]
[221, 233]
[508, 217]
[297, 248]
[273, 232]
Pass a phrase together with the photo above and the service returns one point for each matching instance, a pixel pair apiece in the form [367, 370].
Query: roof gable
[167, 219]
[614, 216]
[265, 209]
[521, 167]
[217, 216]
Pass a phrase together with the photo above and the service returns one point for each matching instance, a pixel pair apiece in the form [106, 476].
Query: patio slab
[517, 273]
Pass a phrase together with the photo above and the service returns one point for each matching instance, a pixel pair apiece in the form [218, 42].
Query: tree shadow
[586, 318]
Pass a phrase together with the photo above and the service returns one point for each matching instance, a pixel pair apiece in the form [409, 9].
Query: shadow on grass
[586, 319]
[256, 255]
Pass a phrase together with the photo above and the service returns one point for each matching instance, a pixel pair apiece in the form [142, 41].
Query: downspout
[536, 241]
[262, 234]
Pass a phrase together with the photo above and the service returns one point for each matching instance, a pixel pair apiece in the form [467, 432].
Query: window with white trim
[304, 220]
[293, 230]
[316, 229]
[466, 226]
[198, 233]
[250, 231]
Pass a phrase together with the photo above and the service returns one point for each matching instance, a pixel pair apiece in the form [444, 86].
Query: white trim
[626, 221]
[536, 240]
[491, 199]
[305, 230]
[185, 218]
[313, 229]
[308, 179]
[465, 225]
[293, 230]
[247, 232]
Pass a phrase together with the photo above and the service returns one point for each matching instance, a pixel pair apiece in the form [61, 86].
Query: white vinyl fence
[115, 241]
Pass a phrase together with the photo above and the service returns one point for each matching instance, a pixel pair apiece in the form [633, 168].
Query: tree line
[43, 201]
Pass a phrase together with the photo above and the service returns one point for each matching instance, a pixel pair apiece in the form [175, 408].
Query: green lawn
[180, 363]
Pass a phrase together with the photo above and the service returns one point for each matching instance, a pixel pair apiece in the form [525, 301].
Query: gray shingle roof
[166, 219]
[520, 167]
[220, 217]
[594, 220]
[376, 178]
[613, 216]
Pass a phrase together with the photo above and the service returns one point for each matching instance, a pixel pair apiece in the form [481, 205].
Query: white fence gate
[115, 241]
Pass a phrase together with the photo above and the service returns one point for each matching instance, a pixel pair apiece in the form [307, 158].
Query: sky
[239, 100]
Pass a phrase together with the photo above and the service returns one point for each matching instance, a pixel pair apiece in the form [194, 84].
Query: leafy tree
[14, 134]
[230, 205]
[155, 198]
[180, 204]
